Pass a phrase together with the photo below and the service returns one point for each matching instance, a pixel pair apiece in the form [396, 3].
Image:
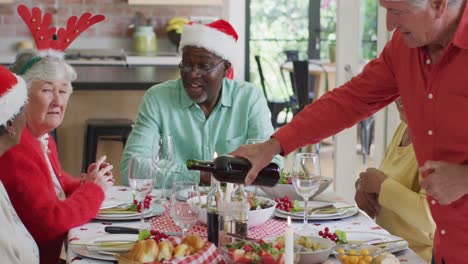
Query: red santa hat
[13, 95]
[218, 37]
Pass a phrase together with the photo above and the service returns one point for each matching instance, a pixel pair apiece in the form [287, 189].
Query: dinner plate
[157, 210]
[347, 211]
[311, 205]
[378, 239]
[96, 252]
[106, 204]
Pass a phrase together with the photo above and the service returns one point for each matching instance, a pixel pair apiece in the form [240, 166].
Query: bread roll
[144, 251]
[183, 250]
[194, 241]
[165, 250]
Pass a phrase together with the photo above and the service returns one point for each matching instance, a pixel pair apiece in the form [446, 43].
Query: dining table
[162, 221]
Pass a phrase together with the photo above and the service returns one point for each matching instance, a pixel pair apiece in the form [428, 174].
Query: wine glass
[306, 177]
[184, 204]
[163, 160]
[255, 141]
[140, 179]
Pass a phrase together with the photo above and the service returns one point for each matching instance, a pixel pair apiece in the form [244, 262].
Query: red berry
[326, 229]
[320, 233]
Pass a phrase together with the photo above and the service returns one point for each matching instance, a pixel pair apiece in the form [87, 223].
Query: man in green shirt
[203, 111]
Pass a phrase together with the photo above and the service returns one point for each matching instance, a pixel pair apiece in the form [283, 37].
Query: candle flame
[215, 155]
[289, 220]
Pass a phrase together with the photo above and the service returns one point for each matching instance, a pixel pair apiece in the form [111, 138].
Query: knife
[132, 230]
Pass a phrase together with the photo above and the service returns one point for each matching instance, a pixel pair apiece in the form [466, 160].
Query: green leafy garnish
[143, 234]
[341, 235]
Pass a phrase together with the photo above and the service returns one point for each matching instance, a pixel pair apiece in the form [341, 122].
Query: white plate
[106, 204]
[360, 237]
[340, 215]
[311, 205]
[136, 216]
[92, 252]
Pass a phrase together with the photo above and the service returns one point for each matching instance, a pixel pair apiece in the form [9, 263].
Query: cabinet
[174, 2]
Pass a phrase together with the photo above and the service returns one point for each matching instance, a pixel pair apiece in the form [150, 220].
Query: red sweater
[27, 179]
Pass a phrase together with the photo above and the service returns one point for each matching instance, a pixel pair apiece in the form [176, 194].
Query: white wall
[234, 12]
[347, 35]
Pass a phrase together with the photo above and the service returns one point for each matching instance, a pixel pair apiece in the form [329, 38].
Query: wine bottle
[234, 169]
[212, 202]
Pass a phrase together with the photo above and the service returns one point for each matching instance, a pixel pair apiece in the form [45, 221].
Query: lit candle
[289, 244]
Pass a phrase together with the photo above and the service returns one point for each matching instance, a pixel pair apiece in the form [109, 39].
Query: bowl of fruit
[261, 209]
[356, 253]
[285, 187]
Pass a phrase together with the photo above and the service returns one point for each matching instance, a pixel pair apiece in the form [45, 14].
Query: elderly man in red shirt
[426, 63]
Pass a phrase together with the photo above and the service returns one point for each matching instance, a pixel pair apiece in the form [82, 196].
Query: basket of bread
[189, 249]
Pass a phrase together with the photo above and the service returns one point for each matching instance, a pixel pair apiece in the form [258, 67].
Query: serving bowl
[255, 217]
[322, 249]
[281, 190]
[356, 253]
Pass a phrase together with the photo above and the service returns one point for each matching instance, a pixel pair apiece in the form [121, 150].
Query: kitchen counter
[122, 77]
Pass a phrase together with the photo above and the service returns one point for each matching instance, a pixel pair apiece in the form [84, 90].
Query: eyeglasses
[200, 70]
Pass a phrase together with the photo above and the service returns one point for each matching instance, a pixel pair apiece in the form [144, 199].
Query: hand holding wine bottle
[234, 170]
[259, 156]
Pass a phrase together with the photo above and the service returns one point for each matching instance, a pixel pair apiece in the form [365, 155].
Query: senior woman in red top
[47, 199]
[425, 63]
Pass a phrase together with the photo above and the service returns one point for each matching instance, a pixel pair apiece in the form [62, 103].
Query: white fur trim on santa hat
[213, 40]
[52, 53]
[12, 101]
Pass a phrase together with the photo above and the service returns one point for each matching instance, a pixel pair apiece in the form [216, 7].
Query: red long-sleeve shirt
[435, 99]
[27, 179]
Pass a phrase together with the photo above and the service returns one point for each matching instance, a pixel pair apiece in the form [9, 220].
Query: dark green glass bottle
[234, 169]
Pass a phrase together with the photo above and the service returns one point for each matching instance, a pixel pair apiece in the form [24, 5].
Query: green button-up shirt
[240, 114]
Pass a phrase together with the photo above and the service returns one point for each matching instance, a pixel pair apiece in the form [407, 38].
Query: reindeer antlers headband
[43, 34]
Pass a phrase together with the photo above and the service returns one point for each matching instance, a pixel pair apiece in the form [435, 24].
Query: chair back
[292, 55]
[262, 77]
[303, 84]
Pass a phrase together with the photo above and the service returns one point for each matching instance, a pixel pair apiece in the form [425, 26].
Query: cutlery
[132, 230]
[385, 242]
[330, 210]
[115, 244]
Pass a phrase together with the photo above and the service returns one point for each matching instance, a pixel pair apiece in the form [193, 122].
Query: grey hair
[46, 69]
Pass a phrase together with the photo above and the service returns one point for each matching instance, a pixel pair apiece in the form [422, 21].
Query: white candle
[289, 244]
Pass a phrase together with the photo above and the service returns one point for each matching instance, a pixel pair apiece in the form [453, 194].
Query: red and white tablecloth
[359, 222]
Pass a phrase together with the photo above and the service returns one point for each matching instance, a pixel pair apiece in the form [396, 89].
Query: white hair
[46, 69]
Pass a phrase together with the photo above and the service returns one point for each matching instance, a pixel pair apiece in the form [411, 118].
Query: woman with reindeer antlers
[47, 199]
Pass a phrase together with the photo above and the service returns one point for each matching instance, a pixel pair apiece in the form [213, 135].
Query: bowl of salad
[245, 251]
[285, 187]
[261, 209]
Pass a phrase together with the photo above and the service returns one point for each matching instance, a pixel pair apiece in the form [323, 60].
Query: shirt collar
[44, 142]
[461, 35]
[226, 95]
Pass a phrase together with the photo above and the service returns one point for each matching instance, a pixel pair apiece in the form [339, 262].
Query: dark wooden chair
[276, 107]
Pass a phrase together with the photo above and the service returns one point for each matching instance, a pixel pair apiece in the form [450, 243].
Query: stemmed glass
[255, 141]
[184, 204]
[163, 160]
[306, 177]
[140, 179]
